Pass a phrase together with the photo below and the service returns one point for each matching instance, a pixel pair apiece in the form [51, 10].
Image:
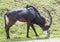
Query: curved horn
[49, 16]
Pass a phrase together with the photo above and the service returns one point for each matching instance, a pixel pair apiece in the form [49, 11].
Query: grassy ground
[19, 31]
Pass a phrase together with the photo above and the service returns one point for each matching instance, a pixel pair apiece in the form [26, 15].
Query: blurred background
[18, 31]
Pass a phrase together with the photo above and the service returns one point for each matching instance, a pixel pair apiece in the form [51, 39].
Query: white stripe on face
[46, 33]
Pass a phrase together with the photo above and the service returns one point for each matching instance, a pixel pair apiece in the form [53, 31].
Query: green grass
[19, 31]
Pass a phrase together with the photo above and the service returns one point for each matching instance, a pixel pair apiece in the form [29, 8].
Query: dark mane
[33, 8]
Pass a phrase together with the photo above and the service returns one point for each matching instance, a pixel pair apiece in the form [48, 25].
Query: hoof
[37, 35]
[27, 36]
[8, 38]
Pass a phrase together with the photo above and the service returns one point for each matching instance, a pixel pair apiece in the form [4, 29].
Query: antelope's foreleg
[34, 29]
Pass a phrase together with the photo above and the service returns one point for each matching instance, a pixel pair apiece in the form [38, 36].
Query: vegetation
[18, 31]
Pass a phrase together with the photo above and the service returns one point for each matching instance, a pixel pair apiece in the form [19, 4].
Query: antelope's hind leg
[8, 25]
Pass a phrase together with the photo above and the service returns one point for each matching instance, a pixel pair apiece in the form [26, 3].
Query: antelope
[28, 14]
